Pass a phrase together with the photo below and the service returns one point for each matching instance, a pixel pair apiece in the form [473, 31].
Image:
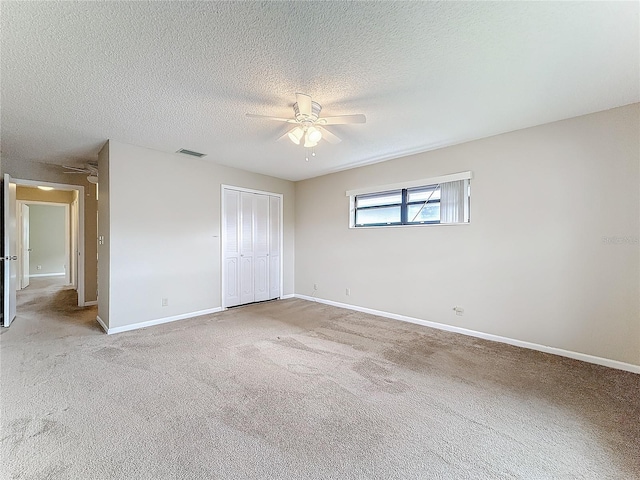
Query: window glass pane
[370, 216]
[421, 194]
[386, 198]
[429, 213]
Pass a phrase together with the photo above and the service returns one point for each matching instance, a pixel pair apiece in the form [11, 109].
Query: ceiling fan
[309, 127]
[91, 170]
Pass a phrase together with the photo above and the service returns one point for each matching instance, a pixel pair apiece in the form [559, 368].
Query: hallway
[47, 303]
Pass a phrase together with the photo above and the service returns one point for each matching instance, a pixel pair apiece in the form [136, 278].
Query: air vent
[191, 152]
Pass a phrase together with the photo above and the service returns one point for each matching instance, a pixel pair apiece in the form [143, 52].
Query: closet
[251, 246]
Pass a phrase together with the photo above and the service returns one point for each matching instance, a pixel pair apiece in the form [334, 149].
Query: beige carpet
[300, 390]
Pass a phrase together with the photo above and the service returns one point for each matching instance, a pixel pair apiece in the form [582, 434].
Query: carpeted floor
[299, 390]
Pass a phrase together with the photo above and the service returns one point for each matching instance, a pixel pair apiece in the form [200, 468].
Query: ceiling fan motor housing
[312, 118]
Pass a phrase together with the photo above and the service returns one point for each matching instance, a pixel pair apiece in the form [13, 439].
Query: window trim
[468, 175]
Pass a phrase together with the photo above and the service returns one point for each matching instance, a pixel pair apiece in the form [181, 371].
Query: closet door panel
[275, 243]
[261, 247]
[247, 201]
[231, 253]
[246, 280]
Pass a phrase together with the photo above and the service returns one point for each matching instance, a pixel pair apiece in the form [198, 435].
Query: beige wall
[25, 170]
[551, 255]
[34, 194]
[164, 232]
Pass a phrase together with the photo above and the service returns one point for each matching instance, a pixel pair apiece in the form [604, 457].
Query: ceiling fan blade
[277, 119]
[304, 104]
[328, 136]
[284, 137]
[75, 169]
[342, 119]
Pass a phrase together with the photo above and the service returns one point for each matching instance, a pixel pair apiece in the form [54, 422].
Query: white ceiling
[183, 74]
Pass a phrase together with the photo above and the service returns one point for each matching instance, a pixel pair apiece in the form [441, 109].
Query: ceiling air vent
[191, 152]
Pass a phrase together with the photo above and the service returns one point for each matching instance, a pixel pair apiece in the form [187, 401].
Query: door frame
[80, 223]
[20, 208]
[223, 239]
[9, 250]
[67, 235]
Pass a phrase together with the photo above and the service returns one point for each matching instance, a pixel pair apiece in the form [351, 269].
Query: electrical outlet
[165, 302]
[315, 286]
[39, 267]
[347, 292]
[459, 311]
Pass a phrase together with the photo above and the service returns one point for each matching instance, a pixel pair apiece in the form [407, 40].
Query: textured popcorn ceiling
[182, 74]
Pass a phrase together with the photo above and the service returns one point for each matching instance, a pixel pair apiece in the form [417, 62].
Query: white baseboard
[486, 336]
[158, 321]
[90, 304]
[47, 275]
[104, 327]
[290, 295]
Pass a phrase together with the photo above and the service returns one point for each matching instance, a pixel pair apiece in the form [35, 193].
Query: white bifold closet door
[275, 247]
[252, 247]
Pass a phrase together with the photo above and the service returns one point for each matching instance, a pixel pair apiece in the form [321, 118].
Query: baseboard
[158, 321]
[90, 304]
[290, 295]
[606, 362]
[47, 275]
[104, 327]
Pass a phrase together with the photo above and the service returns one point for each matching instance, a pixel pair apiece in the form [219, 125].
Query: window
[441, 200]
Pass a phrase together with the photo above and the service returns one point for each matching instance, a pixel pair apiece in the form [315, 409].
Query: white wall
[104, 257]
[47, 240]
[551, 255]
[164, 232]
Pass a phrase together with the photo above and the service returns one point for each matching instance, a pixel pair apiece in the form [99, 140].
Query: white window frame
[466, 176]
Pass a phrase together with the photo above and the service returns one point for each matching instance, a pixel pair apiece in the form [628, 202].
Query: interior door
[10, 256]
[26, 248]
[73, 261]
[251, 248]
[261, 247]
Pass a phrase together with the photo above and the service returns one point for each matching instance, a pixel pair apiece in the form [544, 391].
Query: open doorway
[45, 241]
[49, 232]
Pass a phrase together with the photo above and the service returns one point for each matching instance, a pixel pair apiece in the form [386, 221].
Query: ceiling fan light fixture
[308, 125]
[308, 143]
[92, 179]
[314, 135]
[295, 135]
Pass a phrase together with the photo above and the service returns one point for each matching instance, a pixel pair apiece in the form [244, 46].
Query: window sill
[353, 227]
